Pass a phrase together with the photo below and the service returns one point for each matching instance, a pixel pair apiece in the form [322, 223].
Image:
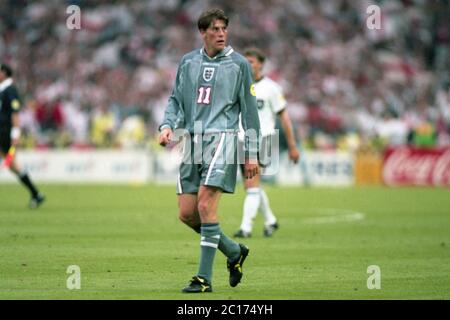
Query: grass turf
[129, 244]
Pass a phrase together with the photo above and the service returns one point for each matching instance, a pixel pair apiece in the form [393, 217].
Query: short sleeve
[14, 99]
[278, 101]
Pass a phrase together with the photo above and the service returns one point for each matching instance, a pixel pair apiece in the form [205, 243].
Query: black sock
[27, 182]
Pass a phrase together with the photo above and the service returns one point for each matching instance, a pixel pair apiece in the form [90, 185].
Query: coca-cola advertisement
[408, 166]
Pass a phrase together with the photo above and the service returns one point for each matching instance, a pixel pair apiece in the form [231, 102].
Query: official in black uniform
[10, 131]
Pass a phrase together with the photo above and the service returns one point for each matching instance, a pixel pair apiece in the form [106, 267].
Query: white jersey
[271, 101]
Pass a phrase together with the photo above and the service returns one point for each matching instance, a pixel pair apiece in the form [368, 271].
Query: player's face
[2, 76]
[215, 37]
[256, 66]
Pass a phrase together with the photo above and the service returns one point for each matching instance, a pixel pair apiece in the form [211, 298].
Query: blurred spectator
[103, 126]
[424, 135]
[132, 132]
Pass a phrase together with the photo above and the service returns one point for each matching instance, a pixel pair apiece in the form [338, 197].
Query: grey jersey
[210, 93]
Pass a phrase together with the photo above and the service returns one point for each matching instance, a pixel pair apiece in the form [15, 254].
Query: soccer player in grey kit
[213, 87]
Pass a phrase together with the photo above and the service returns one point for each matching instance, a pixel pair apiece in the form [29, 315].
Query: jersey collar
[5, 84]
[224, 53]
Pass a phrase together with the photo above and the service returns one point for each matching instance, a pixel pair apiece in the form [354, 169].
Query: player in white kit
[271, 103]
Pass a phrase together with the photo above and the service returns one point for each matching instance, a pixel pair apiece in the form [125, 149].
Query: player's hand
[251, 169]
[165, 136]
[294, 154]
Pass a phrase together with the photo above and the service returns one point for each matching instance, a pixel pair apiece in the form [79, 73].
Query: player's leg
[188, 213]
[251, 204]
[187, 189]
[222, 174]
[235, 252]
[270, 221]
[218, 175]
[207, 203]
[36, 197]
[212, 236]
[198, 209]
[188, 182]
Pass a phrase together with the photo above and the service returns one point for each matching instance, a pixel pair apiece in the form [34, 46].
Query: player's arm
[15, 122]
[173, 110]
[286, 124]
[15, 130]
[14, 102]
[250, 122]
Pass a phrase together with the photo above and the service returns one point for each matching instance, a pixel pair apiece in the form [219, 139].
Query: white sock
[269, 217]
[251, 204]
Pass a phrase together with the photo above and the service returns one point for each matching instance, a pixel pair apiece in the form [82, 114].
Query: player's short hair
[207, 17]
[6, 69]
[255, 52]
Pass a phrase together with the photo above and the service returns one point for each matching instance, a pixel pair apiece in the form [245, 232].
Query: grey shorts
[211, 161]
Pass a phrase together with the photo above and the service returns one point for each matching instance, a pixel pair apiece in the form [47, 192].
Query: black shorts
[5, 140]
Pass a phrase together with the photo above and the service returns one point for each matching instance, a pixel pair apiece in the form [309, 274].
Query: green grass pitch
[129, 244]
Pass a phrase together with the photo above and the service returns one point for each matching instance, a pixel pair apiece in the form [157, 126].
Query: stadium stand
[346, 85]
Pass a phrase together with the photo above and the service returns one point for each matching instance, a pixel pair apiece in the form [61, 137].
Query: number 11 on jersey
[204, 95]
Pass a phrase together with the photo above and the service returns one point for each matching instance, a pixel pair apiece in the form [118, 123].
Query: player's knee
[185, 216]
[203, 207]
[252, 183]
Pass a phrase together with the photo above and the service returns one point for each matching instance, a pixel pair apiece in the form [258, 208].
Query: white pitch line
[335, 216]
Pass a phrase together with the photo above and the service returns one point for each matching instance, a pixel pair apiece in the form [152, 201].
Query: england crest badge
[208, 73]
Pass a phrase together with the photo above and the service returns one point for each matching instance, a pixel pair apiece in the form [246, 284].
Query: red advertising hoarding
[407, 166]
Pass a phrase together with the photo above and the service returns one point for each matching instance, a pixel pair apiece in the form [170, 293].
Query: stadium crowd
[106, 84]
